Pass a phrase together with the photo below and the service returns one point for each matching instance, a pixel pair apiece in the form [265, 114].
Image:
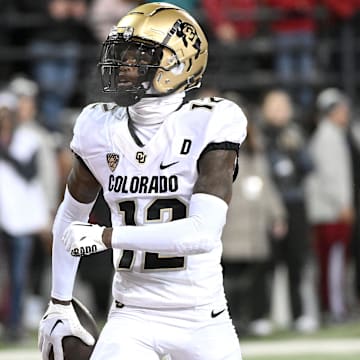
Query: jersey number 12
[154, 212]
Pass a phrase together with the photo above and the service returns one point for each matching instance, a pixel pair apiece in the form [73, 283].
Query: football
[74, 348]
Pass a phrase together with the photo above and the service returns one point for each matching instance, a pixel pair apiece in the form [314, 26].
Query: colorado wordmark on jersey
[153, 183]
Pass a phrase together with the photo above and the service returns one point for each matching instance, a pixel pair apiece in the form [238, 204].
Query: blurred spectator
[354, 144]
[57, 50]
[342, 9]
[330, 200]
[294, 31]
[29, 6]
[233, 25]
[342, 28]
[231, 20]
[6, 37]
[23, 208]
[48, 173]
[27, 92]
[255, 215]
[290, 164]
[104, 14]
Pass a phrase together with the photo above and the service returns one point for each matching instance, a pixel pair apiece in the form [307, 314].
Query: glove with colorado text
[82, 239]
[60, 321]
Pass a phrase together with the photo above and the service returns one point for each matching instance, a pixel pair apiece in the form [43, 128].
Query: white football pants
[133, 333]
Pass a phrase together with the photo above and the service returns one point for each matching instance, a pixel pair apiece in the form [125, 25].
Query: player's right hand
[82, 239]
[60, 321]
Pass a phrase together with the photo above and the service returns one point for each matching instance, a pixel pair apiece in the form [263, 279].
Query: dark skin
[215, 178]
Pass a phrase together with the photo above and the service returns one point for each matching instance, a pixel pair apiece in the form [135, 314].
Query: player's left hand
[58, 322]
[82, 239]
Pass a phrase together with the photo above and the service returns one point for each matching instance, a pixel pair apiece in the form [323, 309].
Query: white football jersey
[153, 183]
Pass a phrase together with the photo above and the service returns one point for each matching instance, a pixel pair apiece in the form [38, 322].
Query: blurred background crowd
[294, 221]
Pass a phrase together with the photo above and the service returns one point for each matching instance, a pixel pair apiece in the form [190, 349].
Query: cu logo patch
[140, 157]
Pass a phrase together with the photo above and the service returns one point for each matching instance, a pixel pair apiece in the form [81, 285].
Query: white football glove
[82, 239]
[59, 321]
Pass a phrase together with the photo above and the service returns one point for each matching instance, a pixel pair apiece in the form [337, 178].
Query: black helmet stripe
[172, 32]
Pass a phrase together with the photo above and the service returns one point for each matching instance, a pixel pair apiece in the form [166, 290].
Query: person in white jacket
[329, 194]
[23, 207]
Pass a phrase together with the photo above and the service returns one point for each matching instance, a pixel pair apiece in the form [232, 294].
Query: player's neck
[150, 111]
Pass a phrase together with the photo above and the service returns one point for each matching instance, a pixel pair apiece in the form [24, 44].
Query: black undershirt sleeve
[226, 145]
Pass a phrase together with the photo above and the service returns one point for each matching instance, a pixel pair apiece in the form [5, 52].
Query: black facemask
[127, 70]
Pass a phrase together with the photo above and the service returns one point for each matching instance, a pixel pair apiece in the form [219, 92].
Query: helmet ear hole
[177, 70]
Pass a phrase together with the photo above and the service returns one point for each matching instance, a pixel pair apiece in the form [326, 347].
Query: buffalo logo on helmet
[188, 34]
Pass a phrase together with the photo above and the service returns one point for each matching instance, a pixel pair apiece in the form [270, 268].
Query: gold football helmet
[155, 50]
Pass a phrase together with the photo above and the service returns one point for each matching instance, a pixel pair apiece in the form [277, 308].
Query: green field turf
[329, 335]
[305, 357]
[347, 330]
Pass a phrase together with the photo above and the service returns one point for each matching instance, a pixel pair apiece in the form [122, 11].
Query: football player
[166, 168]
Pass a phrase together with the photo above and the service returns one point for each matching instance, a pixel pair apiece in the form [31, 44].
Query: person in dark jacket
[57, 50]
[289, 164]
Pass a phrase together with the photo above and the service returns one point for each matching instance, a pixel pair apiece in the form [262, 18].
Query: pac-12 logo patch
[112, 160]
